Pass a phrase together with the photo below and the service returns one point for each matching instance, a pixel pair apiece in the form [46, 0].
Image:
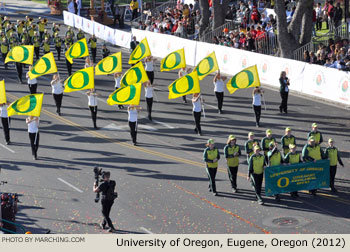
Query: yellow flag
[174, 60]
[135, 74]
[27, 105]
[188, 84]
[45, 65]
[80, 80]
[207, 66]
[23, 54]
[110, 64]
[78, 50]
[2, 92]
[246, 78]
[126, 95]
[141, 51]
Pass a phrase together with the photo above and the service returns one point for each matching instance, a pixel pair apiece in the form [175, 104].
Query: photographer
[107, 189]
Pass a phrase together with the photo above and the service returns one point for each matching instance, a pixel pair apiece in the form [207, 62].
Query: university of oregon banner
[127, 95]
[188, 84]
[80, 80]
[110, 64]
[246, 78]
[207, 66]
[45, 65]
[135, 74]
[141, 51]
[296, 177]
[23, 54]
[78, 50]
[2, 92]
[174, 60]
[28, 105]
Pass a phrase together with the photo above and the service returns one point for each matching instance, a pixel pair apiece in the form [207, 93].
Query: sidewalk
[24, 7]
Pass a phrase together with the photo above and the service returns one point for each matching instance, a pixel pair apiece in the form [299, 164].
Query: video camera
[98, 172]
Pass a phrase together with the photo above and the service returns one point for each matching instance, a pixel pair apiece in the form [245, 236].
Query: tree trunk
[220, 9]
[205, 15]
[306, 31]
[298, 31]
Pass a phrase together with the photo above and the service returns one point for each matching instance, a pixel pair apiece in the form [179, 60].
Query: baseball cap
[330, 140]
[250, 134]
[210, 141]
[232, 137]
[314, 125]
[268, 131]
[291, 146]
[288, 129]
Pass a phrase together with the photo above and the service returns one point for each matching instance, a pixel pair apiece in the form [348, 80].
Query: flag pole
[155, 95]
[202, 100]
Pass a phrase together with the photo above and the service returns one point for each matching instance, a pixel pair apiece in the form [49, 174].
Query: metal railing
[155, 11]
[208, 37]
[266, 44]
[341, 32]
[18, 226]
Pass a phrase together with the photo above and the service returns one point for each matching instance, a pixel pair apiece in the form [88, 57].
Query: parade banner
[68, 18]
[99, 30]
[296, 177]
[109, 35]
[78, 22]
[88, 26]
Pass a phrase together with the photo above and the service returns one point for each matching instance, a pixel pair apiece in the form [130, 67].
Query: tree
[220, 10]
[298, 32]
[205, 15]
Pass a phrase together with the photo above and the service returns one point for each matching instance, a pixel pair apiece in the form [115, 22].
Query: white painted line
[5, 147]
[72, 186]
[146, 230]
[164, 124]
[215, 107]
[146, 127]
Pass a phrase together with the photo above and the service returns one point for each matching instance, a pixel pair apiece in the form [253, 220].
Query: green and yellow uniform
[274, 157]
[20, 29]
[249, 145]
[31, 32]
[265, 143]
[311, 153]
[256, 172]
[286, 141]
[58, 41]
[317, 136]
[332, 154]
[232, 154]
[80, 35]
[41, 26]
[46, 47]
[93, 42]
[292, 158]
[4, 47]
[211, 167]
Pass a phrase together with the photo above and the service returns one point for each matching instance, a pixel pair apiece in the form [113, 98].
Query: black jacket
[283, 85]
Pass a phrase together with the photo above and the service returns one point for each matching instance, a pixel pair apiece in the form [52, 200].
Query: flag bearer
[219, 90]
[57, 92]
[197, 112]
[117, 80]
[211, 157]
[149, 98]
[132, 119]
[32, 83]
[33, 130]
[92, 95]
[332, 154]
[232, 152]
[5, 120]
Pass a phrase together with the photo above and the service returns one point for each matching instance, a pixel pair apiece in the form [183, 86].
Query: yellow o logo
[286, 183]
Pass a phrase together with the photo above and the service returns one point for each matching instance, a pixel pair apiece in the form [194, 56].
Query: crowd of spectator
[335, 55]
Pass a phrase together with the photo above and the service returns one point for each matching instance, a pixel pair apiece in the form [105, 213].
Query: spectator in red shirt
[254, 16]
[330, 13]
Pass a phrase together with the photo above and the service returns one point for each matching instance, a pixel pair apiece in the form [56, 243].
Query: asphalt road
[162, 182]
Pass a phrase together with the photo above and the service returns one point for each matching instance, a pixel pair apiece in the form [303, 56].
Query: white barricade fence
[314, 80]
[328, 83]
[88, 26]
[162, 44]
[68, 18]
[99, 30]
[122, 38]
[109, 35]
[78, 22]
